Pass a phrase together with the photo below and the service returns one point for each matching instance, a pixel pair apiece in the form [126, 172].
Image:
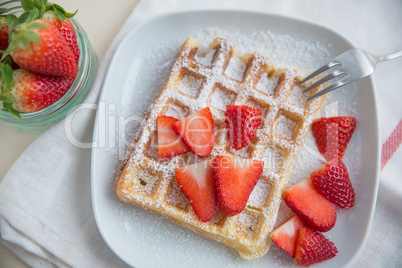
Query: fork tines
[336, 73]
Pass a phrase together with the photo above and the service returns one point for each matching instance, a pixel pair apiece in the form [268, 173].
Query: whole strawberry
[39, 47]
[333, 134]
[313, 247]
[66, 29]
[4, 38]
[3, 33]
[332, 180]
[32, 92]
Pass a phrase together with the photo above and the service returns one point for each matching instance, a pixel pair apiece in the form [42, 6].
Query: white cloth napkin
[46, 214]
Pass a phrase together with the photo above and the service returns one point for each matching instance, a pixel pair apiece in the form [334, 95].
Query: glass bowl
[39, 121]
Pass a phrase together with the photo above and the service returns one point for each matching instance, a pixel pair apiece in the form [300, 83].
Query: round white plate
[140, 66]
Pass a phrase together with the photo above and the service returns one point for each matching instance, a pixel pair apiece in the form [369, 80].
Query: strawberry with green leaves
[47, 52]
[27, 92]
[55, 15]
[5, 30]
[39, 47]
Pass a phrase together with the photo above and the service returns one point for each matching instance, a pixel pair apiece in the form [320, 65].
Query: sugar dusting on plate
[282, 49]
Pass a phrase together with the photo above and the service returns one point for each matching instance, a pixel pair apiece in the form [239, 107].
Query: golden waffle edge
[149, 182]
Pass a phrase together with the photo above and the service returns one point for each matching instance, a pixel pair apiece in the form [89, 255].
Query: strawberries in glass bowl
[47, 64]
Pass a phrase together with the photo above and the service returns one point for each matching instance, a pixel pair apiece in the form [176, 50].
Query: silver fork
[349, 66]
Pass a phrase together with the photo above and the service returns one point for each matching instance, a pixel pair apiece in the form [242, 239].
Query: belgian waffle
[220, 78]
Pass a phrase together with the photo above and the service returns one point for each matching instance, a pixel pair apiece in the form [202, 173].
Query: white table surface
[101, 20]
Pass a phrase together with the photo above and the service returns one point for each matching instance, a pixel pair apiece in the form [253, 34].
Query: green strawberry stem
[4, 10]
[6, 76]
[34, 9]
[23, 33]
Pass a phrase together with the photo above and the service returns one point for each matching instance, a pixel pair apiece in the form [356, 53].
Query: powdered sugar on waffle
[190, 85]
[220, 98]
[267, 84]
[205, 57]
[235, 69]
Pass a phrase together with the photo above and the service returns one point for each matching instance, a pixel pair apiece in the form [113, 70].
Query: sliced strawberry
[40, 48]
[169, 143]
[313, 247]
[311, 206]
[242, 123]
[197, 132]
[235, 179]
[332, 180]
[66, 29]
[197, 183]
[333, 134]
[285, 236]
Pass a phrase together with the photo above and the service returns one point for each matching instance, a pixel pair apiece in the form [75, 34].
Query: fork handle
[390, 56]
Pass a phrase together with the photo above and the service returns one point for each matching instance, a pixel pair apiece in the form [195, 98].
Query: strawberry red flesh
[242, 123]
[169, 143]
[313, 247]
[235, 179]
[285, 236]
[50, 56]
[333, 134]
[311, 206]
[197, 132]
[197, 183]
[332, 180]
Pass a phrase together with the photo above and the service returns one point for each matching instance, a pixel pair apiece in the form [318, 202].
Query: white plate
[139, 68]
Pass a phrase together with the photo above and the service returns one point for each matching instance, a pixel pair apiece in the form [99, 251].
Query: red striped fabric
[391, 144]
